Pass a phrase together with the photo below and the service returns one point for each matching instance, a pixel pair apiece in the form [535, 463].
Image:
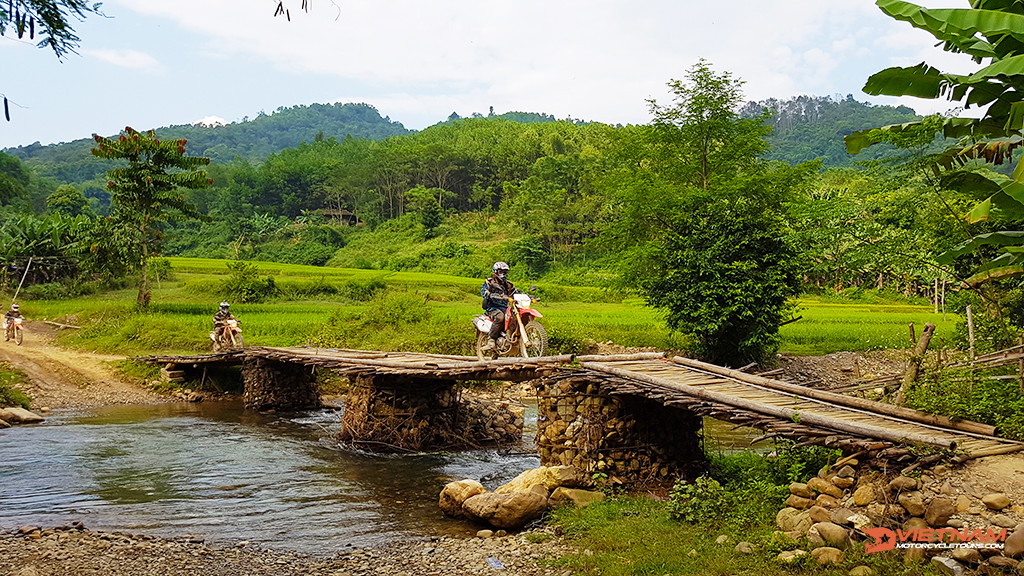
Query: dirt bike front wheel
[239, 341]
[537, 339]
[19, 336]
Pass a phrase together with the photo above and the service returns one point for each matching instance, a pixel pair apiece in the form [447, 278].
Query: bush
[971, 395]
[10, 395]
[397, 309]
[245, 285]
[701, 501]
[362, 291]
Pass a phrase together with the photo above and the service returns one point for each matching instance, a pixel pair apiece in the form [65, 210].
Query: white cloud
[210, 121]
[125, 58]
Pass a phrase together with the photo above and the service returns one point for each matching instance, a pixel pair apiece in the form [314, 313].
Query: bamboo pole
[23, 276]
[809, 420]
[970, 330]
[862, 403]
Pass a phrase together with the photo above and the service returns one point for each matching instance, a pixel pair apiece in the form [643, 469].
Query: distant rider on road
[9, 317]
[496, 291]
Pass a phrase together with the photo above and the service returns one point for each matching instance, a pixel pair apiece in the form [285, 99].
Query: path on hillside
[63, 378]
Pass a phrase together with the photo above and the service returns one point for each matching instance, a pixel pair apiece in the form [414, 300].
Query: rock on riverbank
[31, 551]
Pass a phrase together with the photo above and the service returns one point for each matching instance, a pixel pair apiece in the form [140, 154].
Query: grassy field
[415, 311]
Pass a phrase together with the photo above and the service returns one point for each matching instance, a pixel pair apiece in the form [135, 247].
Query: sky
[148, 63]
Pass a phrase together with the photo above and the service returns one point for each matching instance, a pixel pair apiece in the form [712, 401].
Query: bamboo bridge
[598, 407]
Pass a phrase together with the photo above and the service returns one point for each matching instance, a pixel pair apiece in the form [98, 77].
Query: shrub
[701, 501]
[10, 395]
[362, 291]
[245, 285]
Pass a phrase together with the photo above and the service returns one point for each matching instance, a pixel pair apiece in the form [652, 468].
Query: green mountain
[812, 127]
[253, 139]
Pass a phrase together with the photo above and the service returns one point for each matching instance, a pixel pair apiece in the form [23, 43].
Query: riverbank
[31, 551]
[65, 378]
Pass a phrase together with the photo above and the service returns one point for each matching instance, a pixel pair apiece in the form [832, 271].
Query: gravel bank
[74, 550]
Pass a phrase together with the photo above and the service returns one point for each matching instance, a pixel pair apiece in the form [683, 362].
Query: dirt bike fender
[531, 312]
[482, 323]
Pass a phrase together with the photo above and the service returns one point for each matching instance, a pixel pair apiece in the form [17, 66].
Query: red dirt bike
[13, 330]
[227, 336]
[523, 335]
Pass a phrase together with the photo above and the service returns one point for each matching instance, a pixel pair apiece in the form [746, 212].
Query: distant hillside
[812, 127]
[806, 128]
[253, 139]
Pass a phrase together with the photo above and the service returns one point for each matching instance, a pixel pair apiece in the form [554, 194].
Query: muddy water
[218, 472]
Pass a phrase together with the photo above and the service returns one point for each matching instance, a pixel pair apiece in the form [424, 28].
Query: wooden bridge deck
[780, 408]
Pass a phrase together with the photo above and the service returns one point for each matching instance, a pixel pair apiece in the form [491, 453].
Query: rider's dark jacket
[496, 293]
[221, 317]
[12, 314]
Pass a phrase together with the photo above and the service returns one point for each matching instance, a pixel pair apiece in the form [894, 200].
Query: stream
[215, 471]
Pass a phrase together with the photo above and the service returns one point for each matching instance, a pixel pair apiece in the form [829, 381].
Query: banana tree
[990, 32]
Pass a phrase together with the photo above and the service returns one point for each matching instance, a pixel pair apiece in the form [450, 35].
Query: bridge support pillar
[637, 440]
[400, 412]
[273, 385]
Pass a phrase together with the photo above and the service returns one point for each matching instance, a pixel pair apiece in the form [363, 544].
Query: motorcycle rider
[10, 315]
[496, 291]
[220, 319]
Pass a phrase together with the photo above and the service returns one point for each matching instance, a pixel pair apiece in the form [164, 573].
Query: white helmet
[500, 266]
[224, 304]
[14, 307]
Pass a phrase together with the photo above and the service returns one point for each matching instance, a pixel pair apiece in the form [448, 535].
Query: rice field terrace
[376, 309]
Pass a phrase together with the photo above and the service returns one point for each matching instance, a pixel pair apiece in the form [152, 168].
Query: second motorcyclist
[220, 319]
[496, 291]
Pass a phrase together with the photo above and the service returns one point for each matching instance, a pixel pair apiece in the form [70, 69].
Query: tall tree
[148, 191]
[701, 220]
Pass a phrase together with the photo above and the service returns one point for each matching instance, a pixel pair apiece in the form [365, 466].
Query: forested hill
[812, 127]
[252, 138]
[806, 128]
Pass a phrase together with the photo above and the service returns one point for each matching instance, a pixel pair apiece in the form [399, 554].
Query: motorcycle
[227, 336]
[523, 334]
[13, 331]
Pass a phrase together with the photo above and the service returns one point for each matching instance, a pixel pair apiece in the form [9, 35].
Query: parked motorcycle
[523, 335]
[227, 336]
[13, 330]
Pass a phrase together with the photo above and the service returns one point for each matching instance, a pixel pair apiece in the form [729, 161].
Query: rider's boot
[491, 345]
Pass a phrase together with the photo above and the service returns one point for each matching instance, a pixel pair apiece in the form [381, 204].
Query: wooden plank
[871, 405]
[809, 420]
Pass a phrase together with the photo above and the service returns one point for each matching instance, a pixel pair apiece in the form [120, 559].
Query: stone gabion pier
[270, 384]
[413, 414]
[635, 440]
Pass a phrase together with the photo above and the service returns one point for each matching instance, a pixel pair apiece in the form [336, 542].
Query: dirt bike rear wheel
[481, 341]
[537, 344]
[18, 336]
[7, 335]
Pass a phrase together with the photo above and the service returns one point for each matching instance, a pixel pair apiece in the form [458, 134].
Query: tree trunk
[914, 365]
[144, 296]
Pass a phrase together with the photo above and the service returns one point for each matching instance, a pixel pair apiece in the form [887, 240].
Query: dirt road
[62, 378]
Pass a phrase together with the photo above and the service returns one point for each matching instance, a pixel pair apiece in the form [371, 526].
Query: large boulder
[508, 511]
[454, 494]
[939, 511]
[19, 415]
[550, 477]
[575, 496]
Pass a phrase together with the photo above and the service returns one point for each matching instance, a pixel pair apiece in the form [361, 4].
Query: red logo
[946, 538]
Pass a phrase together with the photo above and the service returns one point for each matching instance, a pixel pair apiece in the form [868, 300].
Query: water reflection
[215, 470]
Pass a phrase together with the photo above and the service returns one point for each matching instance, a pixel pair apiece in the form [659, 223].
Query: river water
[216, 471]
